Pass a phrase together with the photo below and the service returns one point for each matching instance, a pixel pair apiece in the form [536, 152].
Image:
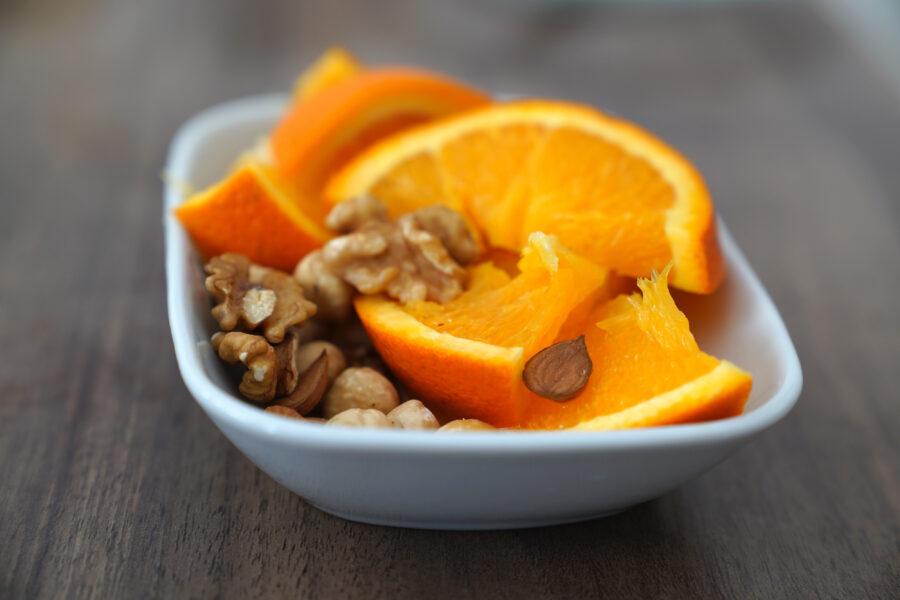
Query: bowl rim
[231, 410]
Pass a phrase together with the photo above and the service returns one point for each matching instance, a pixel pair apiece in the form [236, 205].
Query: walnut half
[401, 258]
[260, 382]
[276, 372]
[250, 296]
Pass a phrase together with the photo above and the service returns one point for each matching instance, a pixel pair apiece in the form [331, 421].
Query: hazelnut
[465, 425]
[284, 411]
[360, 417]
[359, 387]
[308, 353]
[559, 372]
[412, 414]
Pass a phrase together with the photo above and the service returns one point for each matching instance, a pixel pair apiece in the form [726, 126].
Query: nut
[291, 307]
[284, 411]
[331, 294]
[352, 214]
[451, 229]
[465, 425]
[359, 387]
[308, 353]
[401, 258]
[258, 304]
[412, 414]
[309, 391]
[251, 296]
[229, 282]
[260, 381]
[286, 361]
[559, 372]
[360, 417]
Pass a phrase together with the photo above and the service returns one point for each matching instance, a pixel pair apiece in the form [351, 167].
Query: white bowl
[477, 480]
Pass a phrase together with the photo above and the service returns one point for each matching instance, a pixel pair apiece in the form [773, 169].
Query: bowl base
[463, 525]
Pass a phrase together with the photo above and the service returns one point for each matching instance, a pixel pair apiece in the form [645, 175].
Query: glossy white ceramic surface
[468, 480]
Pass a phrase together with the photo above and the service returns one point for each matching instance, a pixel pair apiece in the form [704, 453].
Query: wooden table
[114, 484]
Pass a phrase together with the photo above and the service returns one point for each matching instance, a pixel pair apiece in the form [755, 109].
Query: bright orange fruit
[253, 212]
[647, 370]
[334, 66]
[609, 190]
[274, 214]
[321, 132]
[464, 358]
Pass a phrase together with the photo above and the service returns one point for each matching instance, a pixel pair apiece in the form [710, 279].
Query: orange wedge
[647, 370]
[609, 190]
[465, 357]
[334, 66]
[321, 132]
[253, 212]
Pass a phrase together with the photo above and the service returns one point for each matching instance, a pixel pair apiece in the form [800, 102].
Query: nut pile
[302, 353]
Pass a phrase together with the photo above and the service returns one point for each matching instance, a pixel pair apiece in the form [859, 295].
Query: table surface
[115, 484]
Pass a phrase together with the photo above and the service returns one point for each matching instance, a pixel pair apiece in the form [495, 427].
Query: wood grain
[114, 484]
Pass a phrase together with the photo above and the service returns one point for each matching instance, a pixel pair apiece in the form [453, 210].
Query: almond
[310, 389]
[559, 372]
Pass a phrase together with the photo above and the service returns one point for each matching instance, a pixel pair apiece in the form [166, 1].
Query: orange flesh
[607, 189]
[571, 197]
[526, 311]
[524, 178]
[321, 132]
[252, 212]
[640, 347]
[464, 357]
[334, 66]
[647, 368]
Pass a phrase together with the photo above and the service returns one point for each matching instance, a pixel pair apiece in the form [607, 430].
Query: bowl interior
[738, 322]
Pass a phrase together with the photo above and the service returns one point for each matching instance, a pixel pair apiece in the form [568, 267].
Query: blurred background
[791, 110]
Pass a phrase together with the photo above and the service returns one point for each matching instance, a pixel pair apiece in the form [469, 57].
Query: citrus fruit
[255, 212]
[321, 132]
[609, 190]
[647, 370]
[464, 358]
[334, 66]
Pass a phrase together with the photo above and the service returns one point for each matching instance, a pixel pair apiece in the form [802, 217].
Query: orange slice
[334, 66]
[323, 131]
[647, 370]
[609, 190]
[253, 212]
[465, 357]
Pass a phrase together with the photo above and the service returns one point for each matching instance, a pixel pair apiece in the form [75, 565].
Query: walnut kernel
[352, 214]
[399, 258]
[252, 296]
[260, 381]
[451, 229]
[291, 307]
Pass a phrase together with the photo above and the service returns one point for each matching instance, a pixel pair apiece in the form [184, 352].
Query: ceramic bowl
[476, 480]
